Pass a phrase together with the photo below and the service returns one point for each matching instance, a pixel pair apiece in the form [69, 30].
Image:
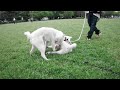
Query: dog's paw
[46, 59]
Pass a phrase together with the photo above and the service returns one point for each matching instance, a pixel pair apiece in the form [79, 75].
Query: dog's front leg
[49, 46]
[56, 52]
[53, 45]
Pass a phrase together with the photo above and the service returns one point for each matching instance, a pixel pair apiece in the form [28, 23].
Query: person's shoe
[88, 38]
[98, 35]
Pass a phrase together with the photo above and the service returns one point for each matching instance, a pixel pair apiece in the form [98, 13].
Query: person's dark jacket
[98, 12]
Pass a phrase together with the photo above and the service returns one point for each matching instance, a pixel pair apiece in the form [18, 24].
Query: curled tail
[28, 35]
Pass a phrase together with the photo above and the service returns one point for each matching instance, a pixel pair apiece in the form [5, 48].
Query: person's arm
[96, 13]
[86, 11]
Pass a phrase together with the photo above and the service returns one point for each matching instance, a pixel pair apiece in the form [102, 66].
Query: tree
[68, 14]
[116, 13]
[50, 15]
[55, 14]
[17, 14]
[107, 14]
[24, 14]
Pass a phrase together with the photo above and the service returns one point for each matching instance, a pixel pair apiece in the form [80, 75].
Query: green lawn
[95, 59]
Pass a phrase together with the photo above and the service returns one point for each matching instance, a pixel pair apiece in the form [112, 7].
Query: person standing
[31, 19]
[93, 17]
[14, 20]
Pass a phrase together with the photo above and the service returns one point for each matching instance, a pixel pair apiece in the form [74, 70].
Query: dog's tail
[28, 35]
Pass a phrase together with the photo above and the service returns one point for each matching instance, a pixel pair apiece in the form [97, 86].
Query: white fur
[66, 46]
[42, 36]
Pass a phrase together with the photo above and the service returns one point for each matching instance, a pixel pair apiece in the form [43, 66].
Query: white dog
[65, 47]
[42, 36]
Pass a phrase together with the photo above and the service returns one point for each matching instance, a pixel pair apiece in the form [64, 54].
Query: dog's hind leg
[41, 46]
[43, 55]
[42, 50]
[32, 49]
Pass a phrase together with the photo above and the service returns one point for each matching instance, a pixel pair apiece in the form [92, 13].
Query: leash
[81, 30]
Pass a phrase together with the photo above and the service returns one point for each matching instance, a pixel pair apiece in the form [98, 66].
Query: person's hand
[86, 11]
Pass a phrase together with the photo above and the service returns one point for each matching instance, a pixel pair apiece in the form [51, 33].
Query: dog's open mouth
[58, 47]
[68, 42]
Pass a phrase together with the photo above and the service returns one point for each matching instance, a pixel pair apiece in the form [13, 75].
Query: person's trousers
[92, 21]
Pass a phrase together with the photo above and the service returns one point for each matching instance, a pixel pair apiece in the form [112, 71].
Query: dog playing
[65, 47]
[40, 37]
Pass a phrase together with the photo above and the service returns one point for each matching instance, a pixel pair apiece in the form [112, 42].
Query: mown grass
[95, 59]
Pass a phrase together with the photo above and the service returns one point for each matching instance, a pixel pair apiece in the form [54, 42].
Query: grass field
[95, 59]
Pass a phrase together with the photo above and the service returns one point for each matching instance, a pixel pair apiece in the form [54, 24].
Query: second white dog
[65, 47]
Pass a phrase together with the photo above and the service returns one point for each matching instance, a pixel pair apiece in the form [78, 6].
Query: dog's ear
[64, 38]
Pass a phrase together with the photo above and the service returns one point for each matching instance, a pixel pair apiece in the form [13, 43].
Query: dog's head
[67, 39]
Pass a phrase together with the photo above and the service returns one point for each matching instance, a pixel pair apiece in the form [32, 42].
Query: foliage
[68, 14]
[38, 15]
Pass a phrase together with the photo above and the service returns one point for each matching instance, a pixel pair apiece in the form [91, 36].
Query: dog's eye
[67, 39]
